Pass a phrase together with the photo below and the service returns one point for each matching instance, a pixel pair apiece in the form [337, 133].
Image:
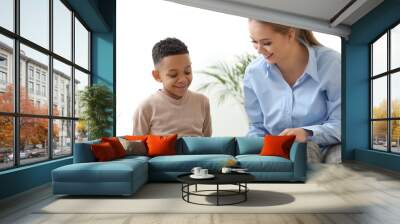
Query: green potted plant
[96, 103]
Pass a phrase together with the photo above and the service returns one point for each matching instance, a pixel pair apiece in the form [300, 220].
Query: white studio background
[210, 36]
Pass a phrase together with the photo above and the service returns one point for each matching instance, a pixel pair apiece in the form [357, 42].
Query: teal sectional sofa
[125, 176]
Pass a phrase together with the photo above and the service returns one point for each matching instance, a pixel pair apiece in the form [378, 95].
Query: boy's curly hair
[167, 47]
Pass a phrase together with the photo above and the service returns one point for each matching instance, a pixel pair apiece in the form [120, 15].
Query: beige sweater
[161, 114]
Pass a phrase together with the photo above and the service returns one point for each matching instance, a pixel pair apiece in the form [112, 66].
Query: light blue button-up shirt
[313, 102]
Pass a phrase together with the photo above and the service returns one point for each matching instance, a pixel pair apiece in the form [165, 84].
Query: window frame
[15, 71]
[3, 81]
[3, 70]
[6, 61]
[388, 74]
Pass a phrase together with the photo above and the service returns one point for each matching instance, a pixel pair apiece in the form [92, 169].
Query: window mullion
[50, 81]
[73, 82]
[371, 89]
[16, 83]
[389, 127]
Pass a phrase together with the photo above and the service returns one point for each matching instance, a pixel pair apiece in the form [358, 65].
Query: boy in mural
[174, 109]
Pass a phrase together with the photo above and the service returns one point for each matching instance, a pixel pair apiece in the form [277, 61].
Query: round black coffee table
[238, 179]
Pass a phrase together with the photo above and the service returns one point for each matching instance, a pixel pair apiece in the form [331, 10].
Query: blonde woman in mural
[294, 88]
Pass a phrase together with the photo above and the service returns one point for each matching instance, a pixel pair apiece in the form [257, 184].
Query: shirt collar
[311, 68]
[173, 100]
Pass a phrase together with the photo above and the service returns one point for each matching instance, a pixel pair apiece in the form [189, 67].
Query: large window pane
[379, 97]
[395, 47]
[34, 82]
[62, 138]
[81, 131]
[62, 29]
[7, 14]
[379, 55]
[33, 140]
[6, 74]
[81, 45]
[62, 89]
[6, 142]
[34, 72]
[395, 136]
[395, 94]
[81, 81]
[379, 135]
[35, 21]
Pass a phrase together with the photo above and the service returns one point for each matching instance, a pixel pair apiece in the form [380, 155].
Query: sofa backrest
[192, 146]
[83, 152]
[249, 145]
[206, 145]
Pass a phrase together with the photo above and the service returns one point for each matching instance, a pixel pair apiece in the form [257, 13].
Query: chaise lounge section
[125, 176]
[88, 177]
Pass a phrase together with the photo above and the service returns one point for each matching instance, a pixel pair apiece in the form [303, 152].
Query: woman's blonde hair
[302, 34]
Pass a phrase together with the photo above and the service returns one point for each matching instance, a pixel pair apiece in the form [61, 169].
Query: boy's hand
[300, 133]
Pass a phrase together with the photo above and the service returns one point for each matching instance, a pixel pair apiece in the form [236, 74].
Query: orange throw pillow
[135, 137]
[103, 151]
[277, 145]
[116, 145]
[161, 145]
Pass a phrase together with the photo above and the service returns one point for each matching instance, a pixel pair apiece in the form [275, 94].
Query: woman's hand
[300, 133]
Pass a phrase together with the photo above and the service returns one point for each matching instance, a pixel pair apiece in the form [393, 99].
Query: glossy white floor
[378, 188]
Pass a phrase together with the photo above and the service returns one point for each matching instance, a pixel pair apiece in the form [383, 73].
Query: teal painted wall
[356, 97]
[379, 159]
[24, 178]
[89, 11]
[102, 59]
[356, 100]
[104, 53]
[99, 15]
[103, 64]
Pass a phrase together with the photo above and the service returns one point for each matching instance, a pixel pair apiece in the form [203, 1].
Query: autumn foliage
[380, 127]
[33, 130]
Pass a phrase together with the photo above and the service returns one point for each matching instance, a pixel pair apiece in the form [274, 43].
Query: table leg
[182, 190]
[217, 194]
[245, 191]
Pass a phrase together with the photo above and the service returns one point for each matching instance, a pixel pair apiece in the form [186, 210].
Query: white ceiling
[322, 9]
[327, 16]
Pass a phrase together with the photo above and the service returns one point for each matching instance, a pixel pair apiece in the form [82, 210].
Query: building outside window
[30, 72]
[3, 78]
[43, 77]
[38, 89]
[3, 71]
[43, 90]
[3, 61]
[37, 75]
[30, 87]
[55, 96]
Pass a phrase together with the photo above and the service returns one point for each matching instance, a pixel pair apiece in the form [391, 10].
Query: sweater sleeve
[141, 120]
[207, 127]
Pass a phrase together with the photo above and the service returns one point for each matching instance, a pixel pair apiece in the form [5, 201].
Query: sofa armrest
[298, 155]
[83, 152]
